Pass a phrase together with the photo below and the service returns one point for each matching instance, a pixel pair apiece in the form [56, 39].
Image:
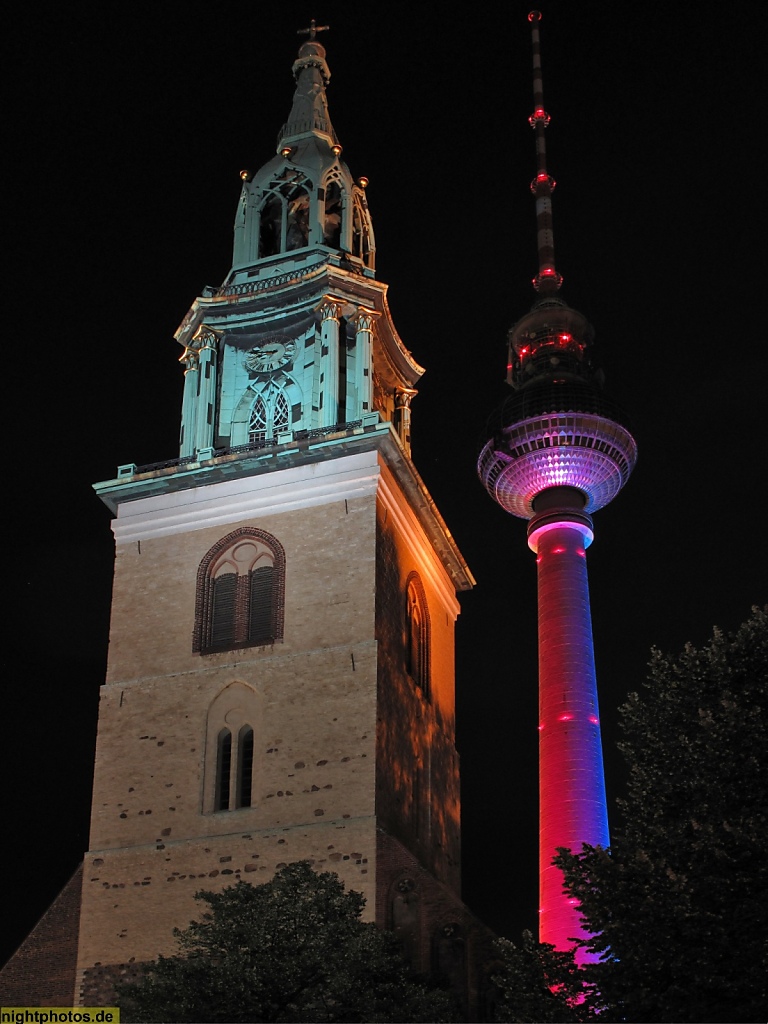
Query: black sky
[127, 129]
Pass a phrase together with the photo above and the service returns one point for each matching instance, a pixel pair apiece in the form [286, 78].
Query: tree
[538, 984]
[292, 949]
[679, 905]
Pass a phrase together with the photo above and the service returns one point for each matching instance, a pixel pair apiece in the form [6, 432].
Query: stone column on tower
[330, 314]
[363, 320]
[206, 401]
[189, 401]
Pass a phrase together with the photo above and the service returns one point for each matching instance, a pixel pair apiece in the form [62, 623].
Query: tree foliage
[679, 905]
[293, 949]
[538, 983]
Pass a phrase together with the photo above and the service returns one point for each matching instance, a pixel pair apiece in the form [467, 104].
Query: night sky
[125, 137]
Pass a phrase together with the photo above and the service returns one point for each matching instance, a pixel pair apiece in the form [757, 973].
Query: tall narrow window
[244, 767]
[231, 762]
[333, 212]
[232, 792]
[223, 770]
[240, 593]
[223, 600]
[417, 638]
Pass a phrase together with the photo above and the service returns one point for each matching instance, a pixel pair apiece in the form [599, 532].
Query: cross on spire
[313, 29]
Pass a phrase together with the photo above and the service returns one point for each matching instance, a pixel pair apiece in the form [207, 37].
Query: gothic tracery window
[270, 413]
[240, 593]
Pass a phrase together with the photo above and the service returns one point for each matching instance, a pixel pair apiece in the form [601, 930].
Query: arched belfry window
[333, 212]
[240, 593]
[230, 775]
[417, 637]
[284, 214]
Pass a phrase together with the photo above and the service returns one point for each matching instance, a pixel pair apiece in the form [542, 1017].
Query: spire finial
[547, 281]
[313, 29]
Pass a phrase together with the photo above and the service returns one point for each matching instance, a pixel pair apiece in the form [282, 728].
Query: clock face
[271, 354]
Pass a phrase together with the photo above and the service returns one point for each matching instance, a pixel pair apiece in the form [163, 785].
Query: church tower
[280, 683]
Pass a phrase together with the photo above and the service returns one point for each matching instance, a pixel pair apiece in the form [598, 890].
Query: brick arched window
[240, 593]
[417, 638]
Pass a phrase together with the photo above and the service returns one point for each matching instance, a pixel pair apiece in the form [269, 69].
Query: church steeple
[280, 684]
[299, 337]
[309, 113]
[305, 196]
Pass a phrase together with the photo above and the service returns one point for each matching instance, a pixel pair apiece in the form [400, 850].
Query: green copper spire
[305, 197]
[309, 117]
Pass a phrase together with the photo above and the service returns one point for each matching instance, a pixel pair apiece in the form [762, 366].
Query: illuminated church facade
[280, 683]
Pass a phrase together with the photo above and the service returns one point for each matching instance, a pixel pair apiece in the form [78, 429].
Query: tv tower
[559, 451]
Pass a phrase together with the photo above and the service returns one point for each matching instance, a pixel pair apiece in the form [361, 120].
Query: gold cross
[313, 29]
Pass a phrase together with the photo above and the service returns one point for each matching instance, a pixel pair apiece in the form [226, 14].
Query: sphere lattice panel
[574, 449]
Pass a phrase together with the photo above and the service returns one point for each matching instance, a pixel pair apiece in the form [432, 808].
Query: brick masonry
[355, 768]
[42, 970]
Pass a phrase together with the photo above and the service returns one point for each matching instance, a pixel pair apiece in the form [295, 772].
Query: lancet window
[240, 593]
[418, 634]
[230, 773]
[234, 769]
[333, 215]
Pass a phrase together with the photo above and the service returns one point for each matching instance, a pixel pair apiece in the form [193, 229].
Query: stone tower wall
[313, 704]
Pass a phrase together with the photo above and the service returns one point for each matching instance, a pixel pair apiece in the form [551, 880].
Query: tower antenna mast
[547, 281]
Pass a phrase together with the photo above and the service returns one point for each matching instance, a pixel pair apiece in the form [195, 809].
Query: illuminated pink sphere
[557, 435]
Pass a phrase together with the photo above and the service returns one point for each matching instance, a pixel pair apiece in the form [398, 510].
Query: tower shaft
[558, 451]
[572, 804]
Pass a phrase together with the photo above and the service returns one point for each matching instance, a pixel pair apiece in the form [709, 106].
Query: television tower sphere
[558, 429]
[559, 449]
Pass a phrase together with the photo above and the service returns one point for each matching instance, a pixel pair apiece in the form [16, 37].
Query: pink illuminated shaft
[572, 806]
